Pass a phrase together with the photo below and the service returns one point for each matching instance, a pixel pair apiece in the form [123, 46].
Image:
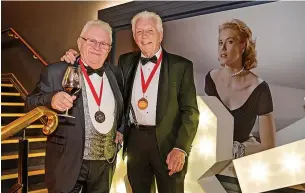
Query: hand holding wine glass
[72, 84]
[62, 101]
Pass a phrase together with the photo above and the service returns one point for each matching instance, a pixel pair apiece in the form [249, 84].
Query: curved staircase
[12, 107]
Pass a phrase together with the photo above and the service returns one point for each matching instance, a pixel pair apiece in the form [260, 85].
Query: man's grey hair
[98, 23]
[147, 15]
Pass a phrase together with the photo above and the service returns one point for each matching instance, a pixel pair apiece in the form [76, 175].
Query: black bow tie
[98, 71]
[145, 60]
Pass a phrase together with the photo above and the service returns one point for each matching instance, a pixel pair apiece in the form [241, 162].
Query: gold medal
[142, 103]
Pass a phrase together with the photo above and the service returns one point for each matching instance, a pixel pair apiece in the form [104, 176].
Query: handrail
[17, 36]
[24, 121]
[13, 79]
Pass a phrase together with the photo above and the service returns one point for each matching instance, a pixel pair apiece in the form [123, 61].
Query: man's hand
[62, 101]
[175, 161]
[70, 56]
[119, 138]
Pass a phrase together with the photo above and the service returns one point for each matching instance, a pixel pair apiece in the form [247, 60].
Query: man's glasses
[93, 42]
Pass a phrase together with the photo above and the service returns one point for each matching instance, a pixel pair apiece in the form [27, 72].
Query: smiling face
[147, 36]
[230, 48]
[92, 47]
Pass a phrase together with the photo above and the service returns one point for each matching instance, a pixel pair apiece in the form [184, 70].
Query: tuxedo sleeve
[189, 112]
[120, 80]
[121, 62]
[43, 93]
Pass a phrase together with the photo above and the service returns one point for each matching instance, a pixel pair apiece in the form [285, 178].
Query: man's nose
[145, 35]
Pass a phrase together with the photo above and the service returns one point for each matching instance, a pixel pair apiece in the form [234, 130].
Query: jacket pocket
[56, 144]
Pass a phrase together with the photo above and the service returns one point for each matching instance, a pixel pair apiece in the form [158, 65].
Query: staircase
[12, 107]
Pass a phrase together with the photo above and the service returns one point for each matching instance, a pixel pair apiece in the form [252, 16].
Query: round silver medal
[99, 117]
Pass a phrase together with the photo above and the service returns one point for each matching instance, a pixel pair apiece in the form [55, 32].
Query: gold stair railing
[23, 146]
[24, 121]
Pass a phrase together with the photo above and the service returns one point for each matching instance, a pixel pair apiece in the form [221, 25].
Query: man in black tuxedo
[160, 108]
[81, 153]
[160, 100]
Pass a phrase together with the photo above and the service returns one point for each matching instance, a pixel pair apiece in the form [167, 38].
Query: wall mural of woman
[245, 95]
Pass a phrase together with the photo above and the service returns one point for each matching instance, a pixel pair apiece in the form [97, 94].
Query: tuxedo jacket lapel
[115, 89]
[162, 88]
[134, 63]
[80, 109]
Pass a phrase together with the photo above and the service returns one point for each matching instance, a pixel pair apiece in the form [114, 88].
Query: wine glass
[71, 83]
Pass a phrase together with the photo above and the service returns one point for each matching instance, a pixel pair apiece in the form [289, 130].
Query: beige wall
[124, 43]
[50, 27]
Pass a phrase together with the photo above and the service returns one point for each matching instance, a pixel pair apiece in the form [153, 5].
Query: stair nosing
[12, 104]
[12, 114]
[36, 126]
[15, 175]
[39, 190]
[40, 153]
[7, 85]
[10, 94]
[31, 140]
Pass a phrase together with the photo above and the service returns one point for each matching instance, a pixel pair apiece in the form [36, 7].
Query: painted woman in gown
[245, 95]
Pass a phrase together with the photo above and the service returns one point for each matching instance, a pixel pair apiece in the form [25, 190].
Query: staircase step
[32, 130]
[13, 147]
[31, 139]
[38, 188]
[34, 182]
[12, 114]
[7, 98]
[13, 173]
[39, 191]
[32, 153]
[17, 107]
[13, 163]
[10, 94]
[11, 104]
[7, 85]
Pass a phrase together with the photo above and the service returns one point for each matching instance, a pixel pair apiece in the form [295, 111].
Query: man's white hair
[98, 23]
[147, 15]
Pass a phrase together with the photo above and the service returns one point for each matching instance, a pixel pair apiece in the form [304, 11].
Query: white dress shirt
[107, 105]
[148, 115]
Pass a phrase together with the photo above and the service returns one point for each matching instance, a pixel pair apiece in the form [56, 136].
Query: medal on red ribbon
[143, 102]
[99, 115]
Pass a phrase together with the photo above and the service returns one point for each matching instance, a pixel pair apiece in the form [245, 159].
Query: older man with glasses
[81, 153]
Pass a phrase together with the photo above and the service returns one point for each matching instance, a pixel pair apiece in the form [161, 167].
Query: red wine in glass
[71, 83]
[71, 90]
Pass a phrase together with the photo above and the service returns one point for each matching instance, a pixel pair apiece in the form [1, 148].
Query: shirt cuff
[181, 150]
